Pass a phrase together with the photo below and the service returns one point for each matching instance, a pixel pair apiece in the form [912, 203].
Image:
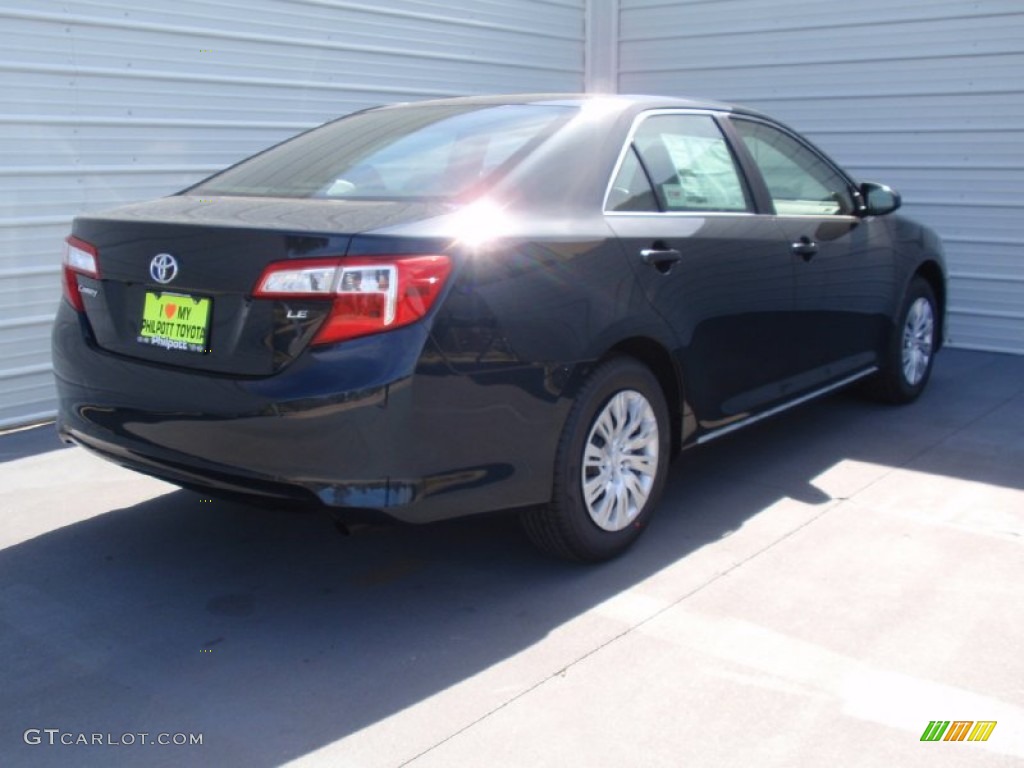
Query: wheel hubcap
[918, 332]
[620, 460]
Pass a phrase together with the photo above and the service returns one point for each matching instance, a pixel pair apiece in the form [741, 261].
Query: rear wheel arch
[659, 361]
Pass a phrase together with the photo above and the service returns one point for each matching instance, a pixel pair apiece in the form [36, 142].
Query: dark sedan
[533, 302]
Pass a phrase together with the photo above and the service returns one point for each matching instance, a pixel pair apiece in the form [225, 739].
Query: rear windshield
[407, 152]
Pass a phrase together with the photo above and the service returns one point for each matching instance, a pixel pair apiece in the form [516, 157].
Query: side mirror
[879, 199]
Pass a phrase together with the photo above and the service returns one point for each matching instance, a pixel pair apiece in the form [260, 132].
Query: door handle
[805, 247]
[662, 258]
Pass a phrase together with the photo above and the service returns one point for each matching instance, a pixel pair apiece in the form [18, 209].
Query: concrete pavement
[813, 592]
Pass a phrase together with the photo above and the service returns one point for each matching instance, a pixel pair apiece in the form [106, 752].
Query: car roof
[625, 102]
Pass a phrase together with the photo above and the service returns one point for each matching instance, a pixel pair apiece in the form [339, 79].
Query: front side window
[678, 163]
[799, 180]
[407, 152]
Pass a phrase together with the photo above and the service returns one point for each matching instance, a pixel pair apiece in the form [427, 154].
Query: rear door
[715, 269]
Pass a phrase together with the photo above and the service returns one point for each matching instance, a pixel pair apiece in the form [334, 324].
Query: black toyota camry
[531, 302]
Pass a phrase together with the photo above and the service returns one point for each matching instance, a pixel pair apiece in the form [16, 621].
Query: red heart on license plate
[170, 309]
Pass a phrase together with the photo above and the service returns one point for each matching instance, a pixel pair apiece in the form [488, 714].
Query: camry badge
[163, 268]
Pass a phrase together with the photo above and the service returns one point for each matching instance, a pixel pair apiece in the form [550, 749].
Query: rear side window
[678, 163]
[406, 152]
[799, 180]
[631, 190]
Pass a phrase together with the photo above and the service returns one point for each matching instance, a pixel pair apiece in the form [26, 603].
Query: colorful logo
[958, 730]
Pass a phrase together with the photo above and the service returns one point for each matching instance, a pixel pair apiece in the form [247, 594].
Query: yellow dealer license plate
[175, 321]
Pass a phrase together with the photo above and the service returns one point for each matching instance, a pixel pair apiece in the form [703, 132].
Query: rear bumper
[372, 424]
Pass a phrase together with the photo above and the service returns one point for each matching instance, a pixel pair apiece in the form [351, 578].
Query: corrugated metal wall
[108, 102]
[926, 95]
[105, 102]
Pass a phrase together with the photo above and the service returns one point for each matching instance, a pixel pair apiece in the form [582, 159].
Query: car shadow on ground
[273, 635]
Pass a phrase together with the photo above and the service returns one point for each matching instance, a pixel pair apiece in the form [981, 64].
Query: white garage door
[925, 95]
[108, 102]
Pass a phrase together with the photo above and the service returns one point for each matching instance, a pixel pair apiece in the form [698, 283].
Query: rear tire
[610, 466]
[910, 351]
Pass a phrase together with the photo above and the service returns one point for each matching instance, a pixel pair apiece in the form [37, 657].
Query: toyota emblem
[163, 268]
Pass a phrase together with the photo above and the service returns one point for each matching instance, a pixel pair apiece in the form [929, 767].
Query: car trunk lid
[176, 276]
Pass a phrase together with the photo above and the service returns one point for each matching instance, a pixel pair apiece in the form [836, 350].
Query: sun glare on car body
[482, 222]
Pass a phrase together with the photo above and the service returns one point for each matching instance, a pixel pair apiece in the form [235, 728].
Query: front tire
[610, 466]
[910, 352]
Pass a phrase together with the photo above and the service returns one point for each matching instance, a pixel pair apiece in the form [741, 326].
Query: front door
[843, 263]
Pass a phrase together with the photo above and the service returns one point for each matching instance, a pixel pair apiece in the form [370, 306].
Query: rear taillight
[367, 295]
[80, 258]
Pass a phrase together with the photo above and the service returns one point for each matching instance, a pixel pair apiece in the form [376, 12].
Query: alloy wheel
[918, 335]
[620, 460]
